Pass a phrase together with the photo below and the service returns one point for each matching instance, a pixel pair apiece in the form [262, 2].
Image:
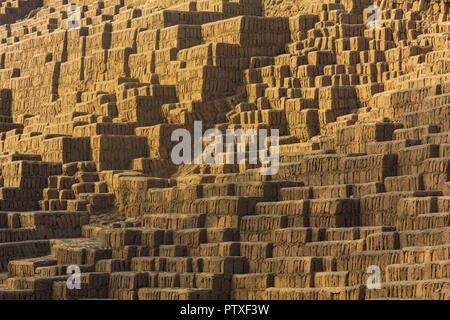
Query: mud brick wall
[29, 174]
[55, 224]
[353, 139]
[212, 71]
[168, 18]
[299, 25]
[332, 169]
[30, 91]
[134, 195]
[159, 144]
[143, 109]
[147, 40]
[142, 65]
[303, 124]
[116, 152]
[186, 113]
[232, 8]
[206, 83]
[86, 117]
[180, 37]
[436, 172]
[337, 98]
[258, 36]
[107, 65]
[72, 76]
[213, 54]
[66, 149]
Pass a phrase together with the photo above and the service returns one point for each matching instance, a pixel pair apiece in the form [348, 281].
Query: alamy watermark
[374, 17]
[219, 151]
[374, 281]
[74, 19]
[74, 281]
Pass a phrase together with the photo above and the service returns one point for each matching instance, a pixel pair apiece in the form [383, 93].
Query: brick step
[175, 294]
[410, 158]
[94, 129]
[260, 227]
[326, 213]
[78, 251]
[251, 285]
[411, 182]
[419, 289]
[339, 249]
[243, 107]
[53, 193]
[173, 251]
[87, 176]
[436, 100]
[331, 279]
[97, 201]
[251, 175]
[299, 147]
[54, 224]
[415, 133]
[299, 265]
[437, 138]
[231, 168]
[76, 205]
[418, 271]
[3, 277]
[174, 221]
[297, 236]
[383, 208]
[393, 146]
[347, 169]
[433, 220]
[126, 239]
[41, 286]
[270, 117]
[9, 193]
[330, 293]
[18, 234]
[53, 205]
[424, 237]
[23, 249]
[268, 190]
[230, 205]
[89, 187]
[255, 252]
[190, 199]
[360, 261]
[60, 270]
[72, 168]
[127, 282]
[325, 192]
[226, 265]
[27, 267]
[194, 237]
[296, 157]
[18, 205]
[436, 115]
[116, 238]
[444, 150]
[272, 75]
[421, 254]
[13, 294]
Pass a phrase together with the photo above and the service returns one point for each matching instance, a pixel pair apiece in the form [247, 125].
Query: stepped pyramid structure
[92, 91]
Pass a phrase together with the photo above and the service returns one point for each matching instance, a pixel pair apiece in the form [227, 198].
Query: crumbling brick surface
[91, 93]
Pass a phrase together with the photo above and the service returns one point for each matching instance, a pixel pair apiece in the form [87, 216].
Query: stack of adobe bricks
[91, 92]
